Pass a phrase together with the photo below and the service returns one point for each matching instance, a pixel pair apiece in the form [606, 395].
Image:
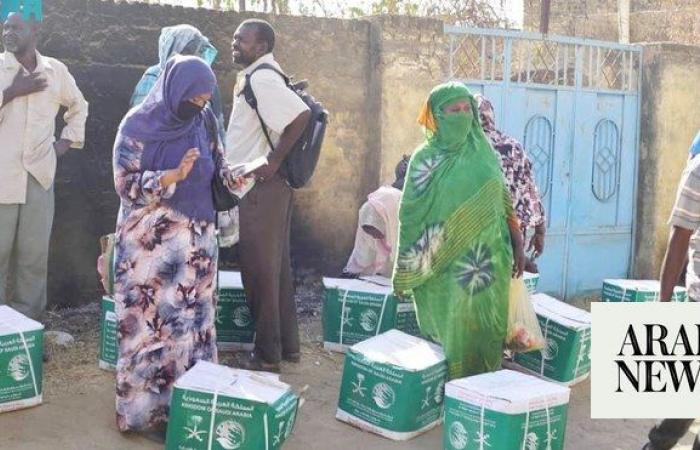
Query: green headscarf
[453, 129]
[454, 245]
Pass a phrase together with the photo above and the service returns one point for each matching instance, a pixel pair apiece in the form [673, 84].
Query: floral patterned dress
[517, 169]
[165, 288]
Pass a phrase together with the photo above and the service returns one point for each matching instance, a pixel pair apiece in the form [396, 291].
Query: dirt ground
[78, 409]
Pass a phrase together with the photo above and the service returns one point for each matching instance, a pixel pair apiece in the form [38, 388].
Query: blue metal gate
[574, 104]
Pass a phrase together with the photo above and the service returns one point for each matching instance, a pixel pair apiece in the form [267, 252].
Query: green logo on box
[230, 435]
[242, 317]
[19, 368]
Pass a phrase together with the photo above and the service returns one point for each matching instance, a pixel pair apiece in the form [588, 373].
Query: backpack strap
[268, 66]
[252, 101]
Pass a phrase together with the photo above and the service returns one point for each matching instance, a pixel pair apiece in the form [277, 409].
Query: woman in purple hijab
[166, 250]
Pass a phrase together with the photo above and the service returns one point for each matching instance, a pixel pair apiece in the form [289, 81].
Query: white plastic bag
[524, 332]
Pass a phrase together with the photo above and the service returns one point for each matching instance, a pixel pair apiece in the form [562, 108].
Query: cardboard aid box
[531, 281]
[638, 291]
[566, 329]
[109, 349]
[504, 410]
[219, 408]
[235, 327]
[358, 309]
[393, 385]
[21, 360]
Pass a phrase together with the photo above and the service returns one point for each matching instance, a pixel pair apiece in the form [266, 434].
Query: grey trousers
[25, 231]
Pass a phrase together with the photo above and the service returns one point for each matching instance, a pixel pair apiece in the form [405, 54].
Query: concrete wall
[669, 123]
[370, 74]
[411, 54]
[373, 75]
[650, 20]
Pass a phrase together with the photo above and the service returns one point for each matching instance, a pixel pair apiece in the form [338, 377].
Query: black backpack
[301, 161]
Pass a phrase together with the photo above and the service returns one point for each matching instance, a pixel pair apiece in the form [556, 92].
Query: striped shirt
[686, 214]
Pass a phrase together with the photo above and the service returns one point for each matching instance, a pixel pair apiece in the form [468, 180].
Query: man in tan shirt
[266, 211]
[32, 89]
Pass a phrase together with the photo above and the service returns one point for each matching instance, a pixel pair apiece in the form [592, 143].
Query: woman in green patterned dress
[459, 239]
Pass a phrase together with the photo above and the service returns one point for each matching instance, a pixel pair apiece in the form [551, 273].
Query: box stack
[21, 360]
[215, 407]
[109, 351]
[355, 310]
[638, 291]
[504, 410]
[531, 281]
[235, 327]
[393, 385]
[567, 333]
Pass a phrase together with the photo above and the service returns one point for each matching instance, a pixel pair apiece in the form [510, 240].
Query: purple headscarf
[184, 78]
[167, 138]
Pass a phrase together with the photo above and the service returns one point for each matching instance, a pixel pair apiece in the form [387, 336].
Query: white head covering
[376, 256]
[173, 40]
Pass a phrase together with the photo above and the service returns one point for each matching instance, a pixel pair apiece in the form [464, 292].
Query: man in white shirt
[32, 89]
[266, 211]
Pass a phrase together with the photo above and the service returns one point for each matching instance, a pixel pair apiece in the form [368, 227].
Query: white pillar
[623, 21]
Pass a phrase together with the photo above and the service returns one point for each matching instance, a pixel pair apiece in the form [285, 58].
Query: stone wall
[369, 73]
[671, 74]
[675, 21]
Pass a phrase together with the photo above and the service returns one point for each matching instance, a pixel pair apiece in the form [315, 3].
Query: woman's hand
[519, 259]
[182, 170]
[517, 243]
[187, 163]
[239, 182]
[537, 241]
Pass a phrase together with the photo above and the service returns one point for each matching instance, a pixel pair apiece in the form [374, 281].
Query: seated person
[377, 230]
